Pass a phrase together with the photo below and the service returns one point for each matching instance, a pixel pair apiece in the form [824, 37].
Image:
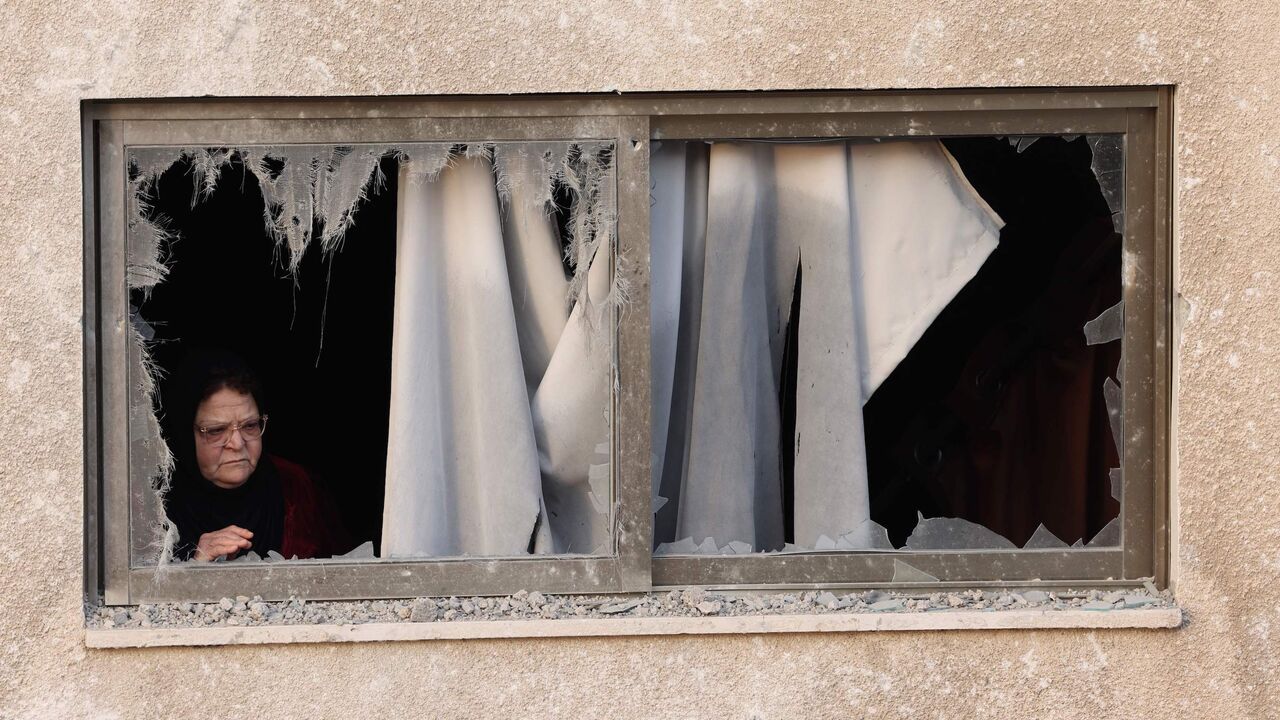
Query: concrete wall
[1223, 57]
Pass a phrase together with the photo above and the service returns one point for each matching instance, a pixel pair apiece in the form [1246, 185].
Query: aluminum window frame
[1141, 115]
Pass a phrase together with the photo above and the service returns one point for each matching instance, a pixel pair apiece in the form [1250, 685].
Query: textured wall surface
[1221, 55]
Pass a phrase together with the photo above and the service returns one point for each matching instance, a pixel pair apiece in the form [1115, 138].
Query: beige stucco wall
[1223, 57]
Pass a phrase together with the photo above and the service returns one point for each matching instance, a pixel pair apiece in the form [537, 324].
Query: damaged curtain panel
[499, 439]
[883, 235]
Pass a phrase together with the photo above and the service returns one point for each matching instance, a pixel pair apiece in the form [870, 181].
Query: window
[606, 344]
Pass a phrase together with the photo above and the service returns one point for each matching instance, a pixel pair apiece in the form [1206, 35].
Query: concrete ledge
[614, 627]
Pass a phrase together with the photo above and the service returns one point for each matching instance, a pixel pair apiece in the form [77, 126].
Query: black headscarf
[195, 504]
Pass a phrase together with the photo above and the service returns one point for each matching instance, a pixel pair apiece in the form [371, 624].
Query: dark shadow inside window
[320, 340]
[997, 414]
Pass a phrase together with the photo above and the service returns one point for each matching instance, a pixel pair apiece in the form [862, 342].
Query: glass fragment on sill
[708, 546]
[954, 534]
[1107, 327]
[868, 535]
[683, 546]
[1108, 536]
[904, 573]
[364, 551]
[840, 543]
[1108, 168]
[1043, 539]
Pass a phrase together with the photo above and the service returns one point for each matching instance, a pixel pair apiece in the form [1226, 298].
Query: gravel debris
[619, 607]
[423, 611]
[245, 611]
[709, 607]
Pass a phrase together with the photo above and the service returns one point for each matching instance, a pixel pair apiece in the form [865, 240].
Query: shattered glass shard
[1043, 539]
[953, 534]
[1107, 327]
[904, 573]
[1108, 167]
[1023, 142]
[683, 546]
[1114, 399]
[1108, 536]
[363, 551]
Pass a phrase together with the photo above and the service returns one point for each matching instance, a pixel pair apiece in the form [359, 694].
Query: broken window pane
[427, 327]
[886, 345]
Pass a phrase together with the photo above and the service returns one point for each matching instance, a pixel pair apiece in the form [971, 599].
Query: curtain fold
[677, 239]
[886, 235]
[499, 428]
[573, 425]
[461, 434]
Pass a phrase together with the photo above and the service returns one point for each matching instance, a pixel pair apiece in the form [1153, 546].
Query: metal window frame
[128, 505]
[1142, 115]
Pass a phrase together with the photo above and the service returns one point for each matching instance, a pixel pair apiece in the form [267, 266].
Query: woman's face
[227, 464]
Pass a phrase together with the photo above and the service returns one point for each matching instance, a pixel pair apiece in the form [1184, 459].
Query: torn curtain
[499, 430]
[884, 234]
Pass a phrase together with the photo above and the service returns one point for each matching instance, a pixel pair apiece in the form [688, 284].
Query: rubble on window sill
[691, 603]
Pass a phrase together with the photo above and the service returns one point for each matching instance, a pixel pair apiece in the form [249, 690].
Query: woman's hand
[221, 543]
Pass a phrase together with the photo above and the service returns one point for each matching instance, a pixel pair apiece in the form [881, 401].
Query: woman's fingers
[236, 541]
[220, 549]
[229, 537]
[227, 541]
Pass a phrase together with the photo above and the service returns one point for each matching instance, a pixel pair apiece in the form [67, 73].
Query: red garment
[312, 527]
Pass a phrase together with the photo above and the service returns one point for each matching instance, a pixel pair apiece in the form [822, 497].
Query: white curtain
[499, 434]
[499, 425]
[886, 234]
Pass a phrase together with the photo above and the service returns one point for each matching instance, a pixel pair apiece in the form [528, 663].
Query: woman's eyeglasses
[220, 434]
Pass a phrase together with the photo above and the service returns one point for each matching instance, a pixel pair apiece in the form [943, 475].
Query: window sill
[967, 619]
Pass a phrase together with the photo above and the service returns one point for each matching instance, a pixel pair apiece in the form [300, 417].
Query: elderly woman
[226, 496]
